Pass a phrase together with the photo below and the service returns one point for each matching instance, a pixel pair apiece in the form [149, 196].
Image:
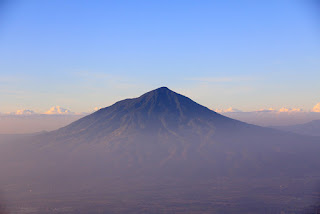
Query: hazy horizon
[27, 121]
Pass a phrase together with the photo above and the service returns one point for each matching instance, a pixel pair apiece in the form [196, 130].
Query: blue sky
[82, 54]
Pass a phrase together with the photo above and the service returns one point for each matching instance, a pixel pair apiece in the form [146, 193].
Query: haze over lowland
[155, 145]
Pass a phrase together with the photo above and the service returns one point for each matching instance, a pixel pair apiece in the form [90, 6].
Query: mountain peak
[163, 88]
[159, 109]
[165, 101]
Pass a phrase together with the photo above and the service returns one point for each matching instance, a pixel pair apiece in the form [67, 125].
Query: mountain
[312, 128]
[162, 131]
[157, 114]
[158, 150]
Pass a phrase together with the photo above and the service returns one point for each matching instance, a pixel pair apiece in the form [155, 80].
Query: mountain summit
[161, 102]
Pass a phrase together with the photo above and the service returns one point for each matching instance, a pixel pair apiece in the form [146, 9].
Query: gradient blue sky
[82, 54]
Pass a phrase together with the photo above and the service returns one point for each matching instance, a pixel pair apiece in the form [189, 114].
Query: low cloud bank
[54, 110]
[29, 121]
[24, 112]
[58, 110]
[268, 110]
[227, 110]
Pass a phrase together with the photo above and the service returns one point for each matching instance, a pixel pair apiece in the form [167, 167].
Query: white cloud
[228, 110]
[289, 110]
[316, 108]
[267, 110]
[24, 112]
[58, 110]
[96, 108]
[281, 110]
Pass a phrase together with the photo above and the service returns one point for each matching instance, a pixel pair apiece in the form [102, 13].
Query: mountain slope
[163, 130]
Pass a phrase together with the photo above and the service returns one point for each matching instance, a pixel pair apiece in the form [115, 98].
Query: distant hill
[312, 128]
[268, 118]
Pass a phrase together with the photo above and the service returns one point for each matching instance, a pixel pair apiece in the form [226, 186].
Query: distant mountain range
[160, 138]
